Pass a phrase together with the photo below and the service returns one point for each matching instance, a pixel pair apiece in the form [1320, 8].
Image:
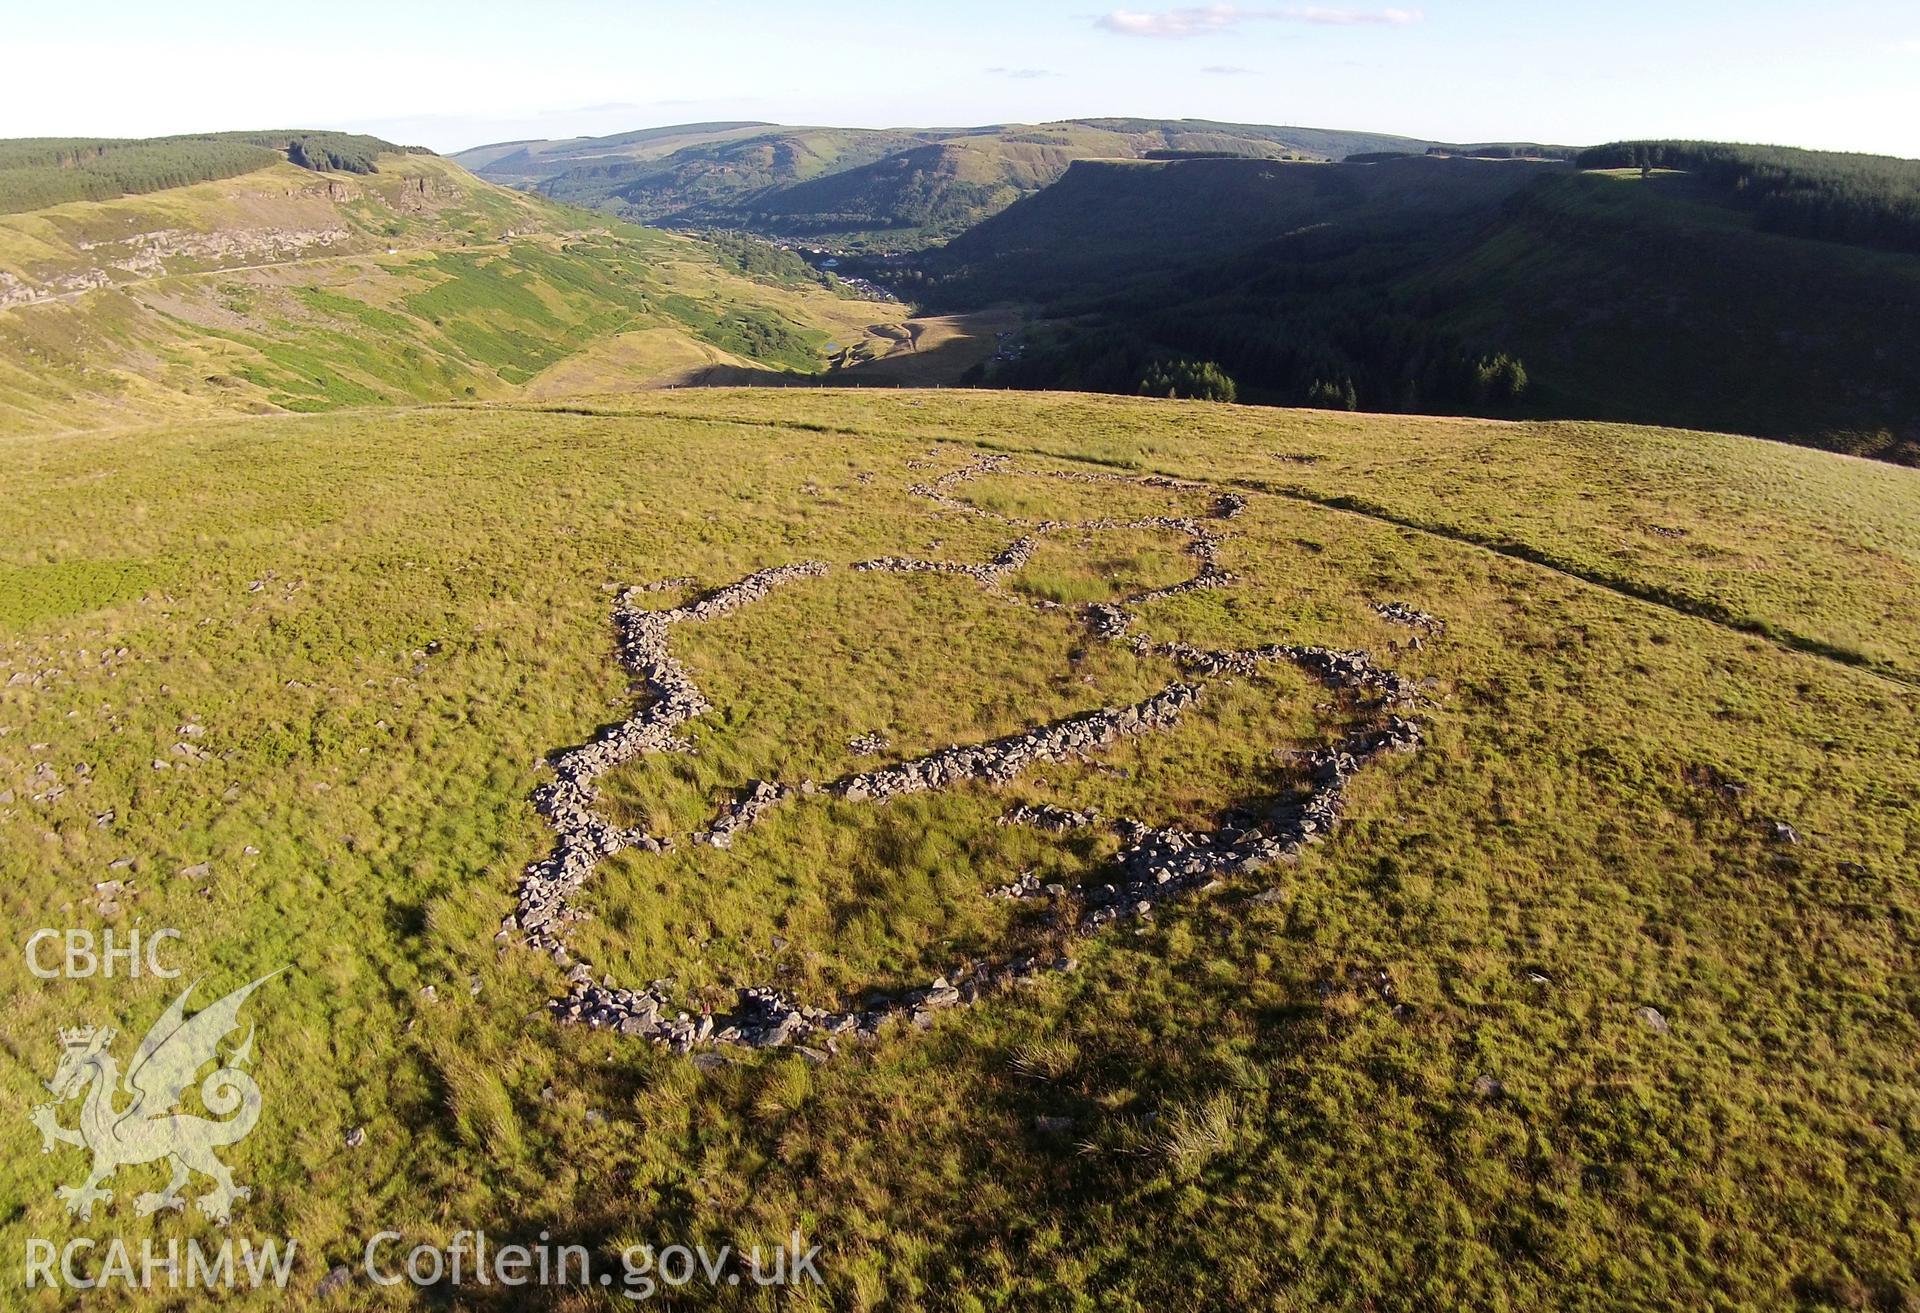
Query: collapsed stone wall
[1004, 758]
[582, 836]
[1010, 560]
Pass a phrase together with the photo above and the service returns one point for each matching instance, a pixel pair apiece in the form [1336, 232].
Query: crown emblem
[81, 1038]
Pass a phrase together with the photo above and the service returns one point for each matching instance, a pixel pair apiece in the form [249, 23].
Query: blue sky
[1843, 74]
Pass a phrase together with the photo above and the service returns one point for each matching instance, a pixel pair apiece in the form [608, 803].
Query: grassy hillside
[283, 289]
[1410, 1069]
[869, 189]
[1453, 284]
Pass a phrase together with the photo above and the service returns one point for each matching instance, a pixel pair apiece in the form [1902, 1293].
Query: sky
[1841, 74]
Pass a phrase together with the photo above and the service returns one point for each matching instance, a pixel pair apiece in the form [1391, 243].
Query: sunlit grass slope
[1659, 645]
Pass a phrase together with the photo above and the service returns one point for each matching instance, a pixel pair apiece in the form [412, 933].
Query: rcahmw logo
[137, 1118]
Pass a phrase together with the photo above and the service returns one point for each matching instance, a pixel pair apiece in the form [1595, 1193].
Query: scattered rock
[1651, 1019]
[1400, 613]
[1054, 820]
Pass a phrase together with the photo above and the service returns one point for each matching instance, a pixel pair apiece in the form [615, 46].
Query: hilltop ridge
[879, 189]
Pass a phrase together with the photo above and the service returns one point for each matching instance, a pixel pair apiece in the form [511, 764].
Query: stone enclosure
[1154, 864]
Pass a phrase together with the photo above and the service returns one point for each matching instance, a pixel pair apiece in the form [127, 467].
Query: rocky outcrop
[156, 254]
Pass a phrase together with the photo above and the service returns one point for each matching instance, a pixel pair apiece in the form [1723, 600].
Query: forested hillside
[1427, 284]
[36, 172]
[1864, 200]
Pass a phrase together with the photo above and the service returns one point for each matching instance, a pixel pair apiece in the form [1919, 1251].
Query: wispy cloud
[1228, 71]
[1201, 20]
[1024, 73]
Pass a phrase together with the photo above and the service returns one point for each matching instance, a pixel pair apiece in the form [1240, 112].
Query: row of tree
[37, 172]
[1379, 365]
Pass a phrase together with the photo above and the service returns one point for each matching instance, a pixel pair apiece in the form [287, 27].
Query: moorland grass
[1252, 1123]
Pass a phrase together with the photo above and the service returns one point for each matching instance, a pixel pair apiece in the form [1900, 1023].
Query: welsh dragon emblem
[151, 1126]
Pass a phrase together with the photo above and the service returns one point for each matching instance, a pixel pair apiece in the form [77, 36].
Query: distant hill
[1447, 284]
[891, 189]
[314, 272]
[716, 184]
[511, 162]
